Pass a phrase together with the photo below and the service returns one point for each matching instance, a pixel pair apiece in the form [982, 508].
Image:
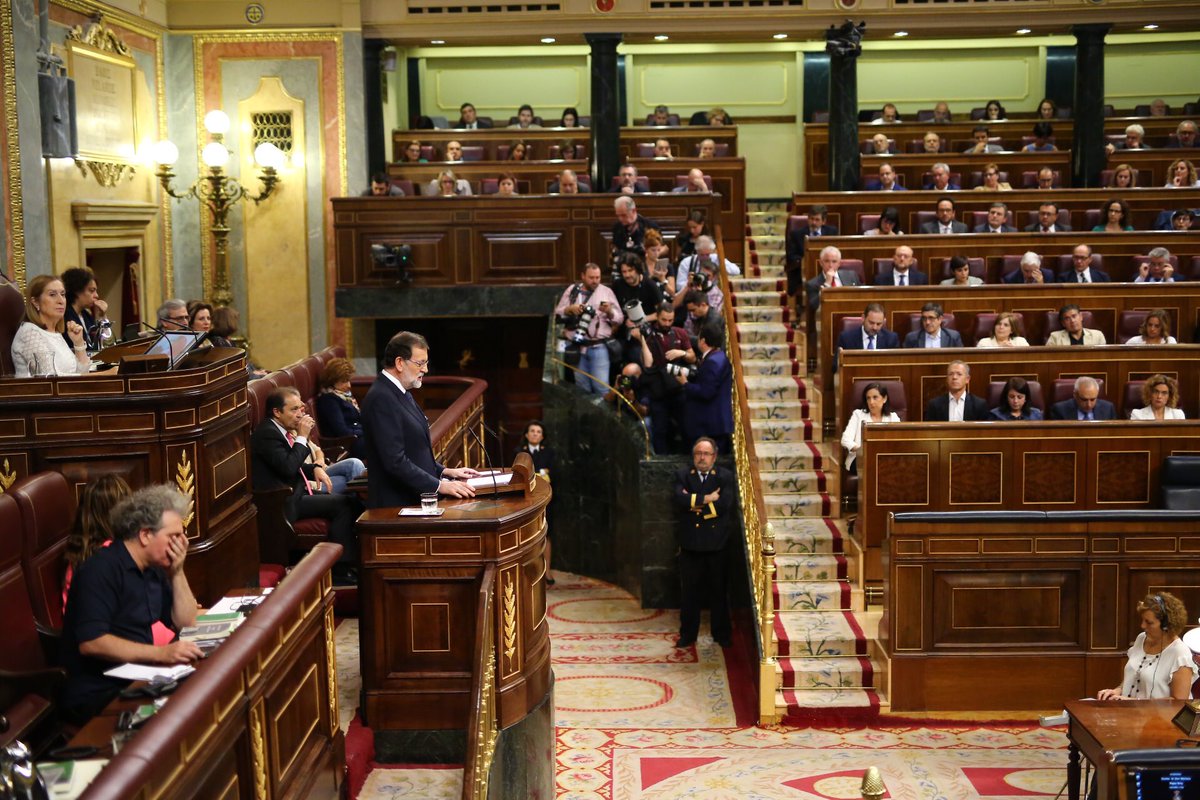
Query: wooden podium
[420, 585]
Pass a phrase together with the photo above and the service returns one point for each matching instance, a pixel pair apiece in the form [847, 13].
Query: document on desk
[147, 672]
[489, 481]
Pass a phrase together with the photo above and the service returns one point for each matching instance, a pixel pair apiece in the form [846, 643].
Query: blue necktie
[870, 342]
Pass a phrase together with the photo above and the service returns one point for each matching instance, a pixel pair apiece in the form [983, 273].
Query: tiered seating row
[685, 141]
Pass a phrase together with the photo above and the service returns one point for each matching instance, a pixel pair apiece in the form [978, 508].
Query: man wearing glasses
[400, 462]
[173, 316]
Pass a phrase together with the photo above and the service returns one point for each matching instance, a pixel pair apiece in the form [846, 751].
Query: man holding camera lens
[664, 347]
[706, 253]
[639, 299]
[590, 313]
[708, 392]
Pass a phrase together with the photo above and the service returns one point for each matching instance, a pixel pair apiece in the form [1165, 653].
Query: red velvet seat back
[47, 506]
[22, 652]
[1036, 399]
[12, 314]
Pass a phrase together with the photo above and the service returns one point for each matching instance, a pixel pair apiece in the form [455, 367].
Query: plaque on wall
[105, 77]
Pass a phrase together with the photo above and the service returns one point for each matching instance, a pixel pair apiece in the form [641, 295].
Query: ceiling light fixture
[900, 34]
[438, 41]
[780, 36]
[662, 37]
[1023, 31]
[1150, 27]
[548, 40]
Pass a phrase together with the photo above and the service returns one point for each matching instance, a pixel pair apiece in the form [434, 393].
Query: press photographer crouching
[626, 395]
[639, 299]
[589, 313]
[665, 348]
[707, 392]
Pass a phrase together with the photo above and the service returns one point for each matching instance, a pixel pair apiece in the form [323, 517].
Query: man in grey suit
[945, 222]
[400, 462]
[932, 334]
[831, 275]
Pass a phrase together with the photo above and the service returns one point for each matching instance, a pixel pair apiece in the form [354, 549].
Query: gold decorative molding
[258, 750]
[331, 670]
[185, 481]
[107, 173]
[100, 36]
[16, 207]
[8, 477]
[510, 618]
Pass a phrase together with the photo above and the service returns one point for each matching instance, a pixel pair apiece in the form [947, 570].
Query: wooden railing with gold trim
[760, 537]
[484, 727]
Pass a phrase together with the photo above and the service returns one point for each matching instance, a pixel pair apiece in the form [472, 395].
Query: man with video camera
[589, 313]
[665, 348]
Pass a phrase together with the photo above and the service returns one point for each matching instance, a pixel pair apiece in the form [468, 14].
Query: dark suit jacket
[703, 527]
[1067, 410]
[853, 340]
[1016, 276]
[275, 463]
[795, 240]
[949, 338]
[1071, 276]
[480, 123]
[400, 462]
[707, 398]
[935, 227]
[938, 409]
[915, 278]
[848, 277]
[553, 188]
[985, 228]
[1037, 227]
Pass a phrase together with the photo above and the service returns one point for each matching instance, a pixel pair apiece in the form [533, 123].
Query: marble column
[1087, 150]
[606, 119]
[378, 144]
[844, 45]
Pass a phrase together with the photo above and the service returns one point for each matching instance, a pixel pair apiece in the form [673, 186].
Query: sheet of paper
[487, 481]
[420, 512]
[228, 605]
[146, 672]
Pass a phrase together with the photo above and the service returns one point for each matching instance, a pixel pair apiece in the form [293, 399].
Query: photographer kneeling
[707, 392]
[665, 349]
[589, 313]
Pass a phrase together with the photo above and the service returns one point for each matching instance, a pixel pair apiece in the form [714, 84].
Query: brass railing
[484, 727]
[760, 536]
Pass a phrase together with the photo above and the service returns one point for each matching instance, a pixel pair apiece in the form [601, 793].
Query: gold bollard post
[872, 784]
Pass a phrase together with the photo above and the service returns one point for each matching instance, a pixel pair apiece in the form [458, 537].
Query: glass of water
[429, 502]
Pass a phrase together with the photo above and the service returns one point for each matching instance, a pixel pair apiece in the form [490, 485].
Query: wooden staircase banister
[483, 726]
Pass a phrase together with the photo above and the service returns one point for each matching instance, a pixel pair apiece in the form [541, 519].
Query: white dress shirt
[957, 406]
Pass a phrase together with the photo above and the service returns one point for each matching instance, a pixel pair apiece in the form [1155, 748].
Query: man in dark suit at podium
[400, 462]
[703, 499]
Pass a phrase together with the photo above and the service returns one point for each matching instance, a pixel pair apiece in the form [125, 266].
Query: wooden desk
[1099, 728]
[419, 583]
[466, 242]
[188, 427]
[258, 718]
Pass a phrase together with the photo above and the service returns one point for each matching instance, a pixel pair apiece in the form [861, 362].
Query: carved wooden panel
[1105, 607]
[908, 607]
[1005, 608]
[1123, 477]
[902, 479]
[1048, 477]
[976, 478]
[406, 600]
[1180, 579]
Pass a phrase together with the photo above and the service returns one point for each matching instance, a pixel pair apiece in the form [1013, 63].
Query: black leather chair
[1180, 480]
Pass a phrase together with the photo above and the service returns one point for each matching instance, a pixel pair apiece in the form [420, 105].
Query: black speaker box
[59, 136]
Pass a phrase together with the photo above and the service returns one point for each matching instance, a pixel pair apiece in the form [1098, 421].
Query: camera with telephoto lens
[624, 383]
[394, 256]
[681, 369]
[582, 323]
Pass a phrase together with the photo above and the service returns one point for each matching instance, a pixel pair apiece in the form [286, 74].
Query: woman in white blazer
[874, 408]
[1160, 393]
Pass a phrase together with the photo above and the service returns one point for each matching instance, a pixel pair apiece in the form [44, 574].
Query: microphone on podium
[487, 460]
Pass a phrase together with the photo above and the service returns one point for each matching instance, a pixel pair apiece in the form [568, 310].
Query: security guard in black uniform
[703, 497]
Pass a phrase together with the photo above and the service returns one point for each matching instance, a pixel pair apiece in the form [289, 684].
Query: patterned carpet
[640, 720]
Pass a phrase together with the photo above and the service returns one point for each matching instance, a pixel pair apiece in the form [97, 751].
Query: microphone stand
[487, 460]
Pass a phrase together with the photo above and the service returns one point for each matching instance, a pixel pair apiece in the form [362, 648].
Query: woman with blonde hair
[1160, 393]
[39, 347]
[1155, 329]
[1006, 332]
[1181, 175]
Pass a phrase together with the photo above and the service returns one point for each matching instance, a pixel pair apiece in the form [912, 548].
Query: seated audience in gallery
[662, 116]
[994, 112]
[1043, 133]
[1047, 221]
[1185, 135]
[447, 184]
[1015, 404]
[1123, 177]
[832, 275]
[888, 225]
[1157, 268]
[940, 179]
[695, 183]
[1134, 140]
[1030, 271]
[983, 143]
[1160, 400]
[717, 116]
[1047, 109]
[931, 143]
[412, 153]
[1072, 332]
[873, 408]
[960, 273]
[468, 118]
[1182, 175]
[200, 316]
[941, 113]
[1006, 332]
[707, 149]
[956, 404]
[569, 118]
[662, 149]
[881, 145]
[870, 335]
[525, 118]
[1083, 268]
[1085, 403]
[991, 180]
[888, 115]
[886, 180]
[1117, 218]
[932, 332]
[517, 151]
[93, 526]
[1155, 329]
[569, 151]
[945, 223]
[506, 185]
[381, 186]
[695, 226]
[904, 270]
[454, 152]
[39, 347]
[1183, 219]
[568, 183]
[997, 220]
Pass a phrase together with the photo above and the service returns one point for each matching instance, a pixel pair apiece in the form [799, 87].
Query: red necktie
[291, 440]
